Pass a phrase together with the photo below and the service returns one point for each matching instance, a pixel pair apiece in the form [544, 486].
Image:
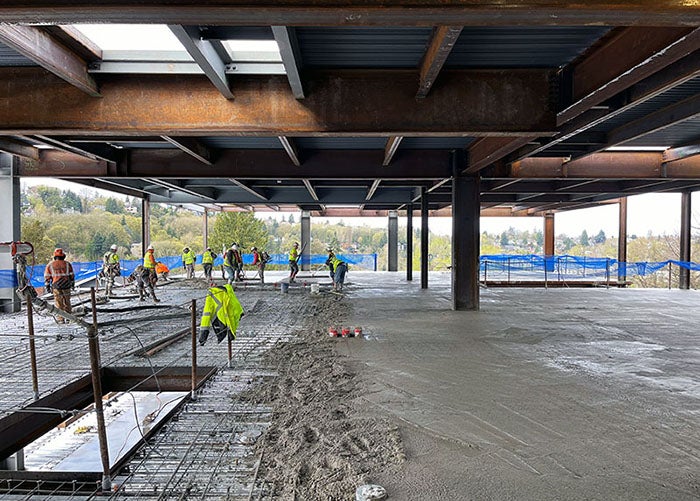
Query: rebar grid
[201, 454]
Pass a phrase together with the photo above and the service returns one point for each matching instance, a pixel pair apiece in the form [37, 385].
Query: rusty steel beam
[245, 164]
[670, 77]
[74, 40]
[439, 47]
[45, 51]
[344, 102]
[634, 54]
[205, 55]
[18, 148]
[193, 147]
[288, 44]
[291, 148]
[681, 152]
[487, 150]
[392, 144]
[647, 165]
[358, 13]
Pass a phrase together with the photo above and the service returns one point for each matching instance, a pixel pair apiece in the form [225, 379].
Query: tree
[291, 219]
[504, 240]
[34, 232]
[114, 206]
[600, 238]
[241, 227]
[583, 239]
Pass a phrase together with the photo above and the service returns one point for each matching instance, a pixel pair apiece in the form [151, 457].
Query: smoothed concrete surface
[543, 394]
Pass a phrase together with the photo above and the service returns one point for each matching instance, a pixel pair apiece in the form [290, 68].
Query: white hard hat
[114, 247]
[150, 247]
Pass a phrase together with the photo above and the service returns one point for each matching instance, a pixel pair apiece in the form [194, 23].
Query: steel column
[305, 240]
[205, 228]
[409, 242]
[684, 273]
[145, 225]
[9, 228]
[393, 239]
[622, 243]
[549, 234]
[465, 236]
[423, 237]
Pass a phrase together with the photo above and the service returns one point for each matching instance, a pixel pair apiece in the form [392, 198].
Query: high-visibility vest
[149, 262]
[222, 304]
[60, 273]
[293, 254]
[337, 262]
[111, 258]
[228, 256]
[207, 257]
[189, 257]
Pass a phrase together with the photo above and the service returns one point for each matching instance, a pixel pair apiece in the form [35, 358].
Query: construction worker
[60, 279]
[162, 270]
[329, 261]
[260, 260]
[339, 269]
[149, 274]
[222, 312]
[294, 261]
[110, 268]
[237, 263]
[228, 263]
[208, 258]
[188, 260]
[142, 277]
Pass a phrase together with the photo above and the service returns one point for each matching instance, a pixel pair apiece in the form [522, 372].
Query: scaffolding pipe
[94, 344]
[194, 347]
[32, 349]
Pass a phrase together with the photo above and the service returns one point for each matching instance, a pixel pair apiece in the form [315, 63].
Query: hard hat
[58, 253]
[253, 248]
[234, 243]
[185, 249]
[329, 249]
[234, 247]
[113, 247]
[150, 248]
[296, 244]
[208, 248]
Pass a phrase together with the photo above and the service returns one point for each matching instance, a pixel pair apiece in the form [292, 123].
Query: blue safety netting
[89, 270]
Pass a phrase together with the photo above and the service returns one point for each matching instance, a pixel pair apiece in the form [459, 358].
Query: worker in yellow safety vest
[293, 262]
[110, 268]
[148, 275]
[222, 312]
[208, 257]
[188, 260]
[339, 270]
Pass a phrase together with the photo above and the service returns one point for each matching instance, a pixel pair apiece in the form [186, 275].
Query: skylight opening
[121, 37]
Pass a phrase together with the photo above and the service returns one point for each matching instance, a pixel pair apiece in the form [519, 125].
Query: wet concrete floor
[543, 394]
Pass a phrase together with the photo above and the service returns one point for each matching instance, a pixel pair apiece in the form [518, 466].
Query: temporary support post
[465, 236]
[622, 243]
[145, 225]
[193, 314]
[9, 231]
[94, 344]
[409, 242]
[230, 351]
[393, 239]
[684, 273]
[32, 348]
[205, 228]
[305, 240]
[423, 238]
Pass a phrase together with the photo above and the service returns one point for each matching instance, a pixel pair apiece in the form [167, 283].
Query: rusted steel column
[465, 236]
[622, 243]
[423, 238]
[205, 229]
[393, 241]
[549, 235]
[684, 273]
[305, 240]
[409, 242]
[32, 348]
[193, 307]
[145, 225]
[94, 344]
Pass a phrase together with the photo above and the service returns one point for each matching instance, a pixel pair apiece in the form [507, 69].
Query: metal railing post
[194, 348]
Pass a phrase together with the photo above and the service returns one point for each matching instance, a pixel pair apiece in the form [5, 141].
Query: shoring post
[508, 269]
[545, 272]
[669, 275]
[32, 347]
[486, 267]
[230, 351]
[94, 344]
[193, 307]
[607, 272]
